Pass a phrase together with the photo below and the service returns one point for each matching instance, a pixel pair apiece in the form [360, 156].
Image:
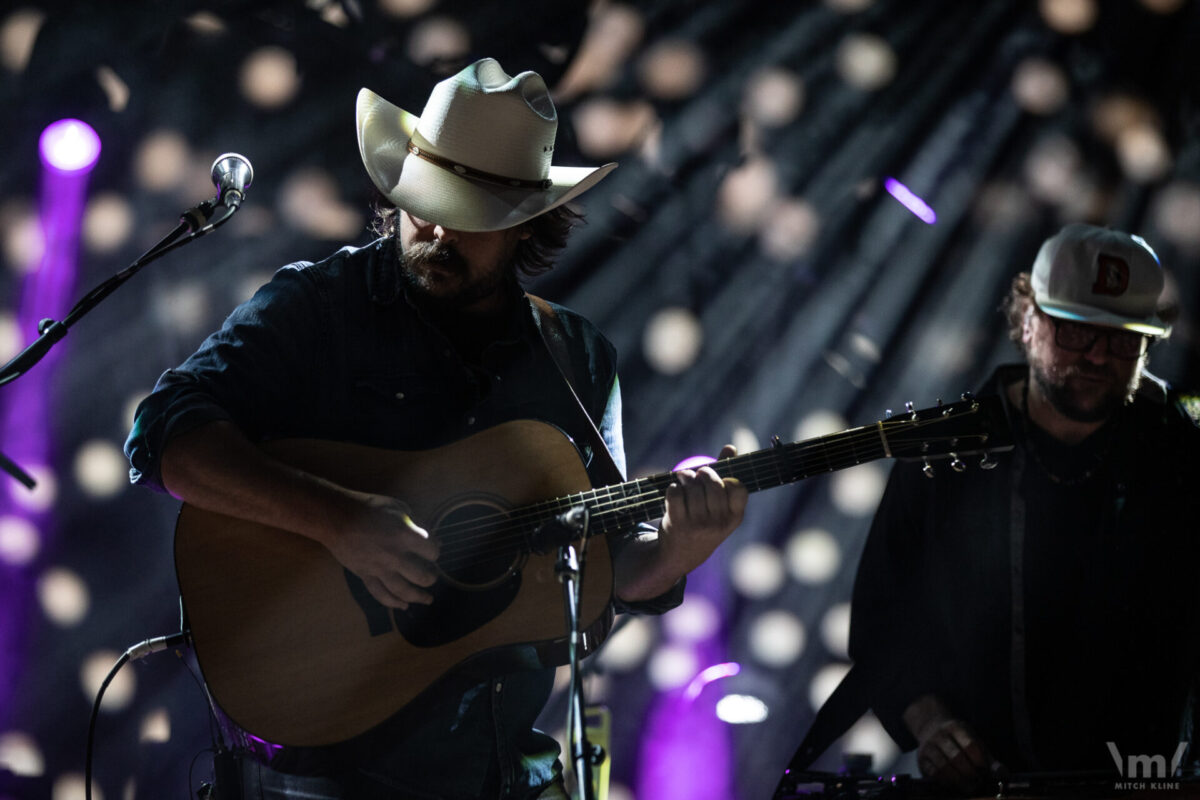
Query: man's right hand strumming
[391, 553]
[217, 468]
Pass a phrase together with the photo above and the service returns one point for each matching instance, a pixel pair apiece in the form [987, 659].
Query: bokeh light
[20, 754]
[672, 70]
[824, 682]
[774, 97]
[309, 200]
[696, 619]
[18, 32]
[866, 61]
[1068, 16]
[672, 340]
[629, 646]
[820, 423]
[269, 78]
[107, 223]
[856, 491]
[835, 630]
[777, 638]
[813, 556]
[747, 194]
[672, 666]
[161, 159]
[64, 597]
[1039, 86]
[757, 571]
[741, 709]
[790, 230]
[71, 786]
[438, 40]
[120, 691]
[156, 726]
[101, 469]
[69, 145]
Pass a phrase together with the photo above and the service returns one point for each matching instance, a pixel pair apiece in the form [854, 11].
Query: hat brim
[441, 196]
[1151, 326]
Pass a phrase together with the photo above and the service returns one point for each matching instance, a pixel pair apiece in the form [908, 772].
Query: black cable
[137, 651]
[91, 736]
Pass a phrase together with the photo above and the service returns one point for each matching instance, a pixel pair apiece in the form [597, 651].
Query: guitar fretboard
[621, 506]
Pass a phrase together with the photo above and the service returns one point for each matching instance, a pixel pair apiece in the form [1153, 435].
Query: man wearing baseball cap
[420, 343]
[1041, 616]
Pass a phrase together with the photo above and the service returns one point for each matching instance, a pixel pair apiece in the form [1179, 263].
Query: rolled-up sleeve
[249, 372]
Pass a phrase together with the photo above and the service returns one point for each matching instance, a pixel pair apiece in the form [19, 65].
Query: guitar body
[296, 651]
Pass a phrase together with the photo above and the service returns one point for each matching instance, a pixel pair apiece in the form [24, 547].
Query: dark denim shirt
[335, 350]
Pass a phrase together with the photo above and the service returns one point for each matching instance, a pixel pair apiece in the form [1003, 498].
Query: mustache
[434, 253]
[1088, 370]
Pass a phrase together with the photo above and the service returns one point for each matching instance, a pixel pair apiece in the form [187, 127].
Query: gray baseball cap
[1100, 276]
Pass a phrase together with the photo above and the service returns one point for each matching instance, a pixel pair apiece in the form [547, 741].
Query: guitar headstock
[969, 426]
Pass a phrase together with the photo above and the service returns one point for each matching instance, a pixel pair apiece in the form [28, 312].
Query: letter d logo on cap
[1112, 276]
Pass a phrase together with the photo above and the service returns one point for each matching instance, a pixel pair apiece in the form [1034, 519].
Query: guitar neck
[621, 506]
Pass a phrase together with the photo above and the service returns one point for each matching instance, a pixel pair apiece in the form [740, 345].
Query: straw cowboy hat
[478, 158]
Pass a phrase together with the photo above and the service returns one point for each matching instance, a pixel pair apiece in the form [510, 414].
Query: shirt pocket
[404, 410]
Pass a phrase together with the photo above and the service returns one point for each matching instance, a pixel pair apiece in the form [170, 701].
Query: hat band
[477, 174]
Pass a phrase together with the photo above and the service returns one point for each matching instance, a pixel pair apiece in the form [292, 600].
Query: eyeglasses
[1078, 337]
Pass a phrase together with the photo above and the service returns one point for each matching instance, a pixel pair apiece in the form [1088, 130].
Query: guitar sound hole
[480, 545]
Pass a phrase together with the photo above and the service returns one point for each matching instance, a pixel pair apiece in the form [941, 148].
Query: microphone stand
[583, 755]
[195, 222]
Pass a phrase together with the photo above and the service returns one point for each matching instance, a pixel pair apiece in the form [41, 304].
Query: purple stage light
[685, 750]
[69, 145]
[69, 149]
[707, 676]
[910, 201]
[694, 462]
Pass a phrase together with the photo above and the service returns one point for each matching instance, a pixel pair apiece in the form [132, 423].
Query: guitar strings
[614, 505]
[516, 527]
[617, 504]
[797, 452]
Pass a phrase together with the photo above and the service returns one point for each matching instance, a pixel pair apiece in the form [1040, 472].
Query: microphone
[232, 175]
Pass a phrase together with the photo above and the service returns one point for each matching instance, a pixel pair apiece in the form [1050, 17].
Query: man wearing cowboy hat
[420, 339]
[1042, 616]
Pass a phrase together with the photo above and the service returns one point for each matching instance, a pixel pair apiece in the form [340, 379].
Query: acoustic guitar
[296, 651]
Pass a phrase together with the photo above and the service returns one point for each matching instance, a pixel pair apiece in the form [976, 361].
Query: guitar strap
[550, 326]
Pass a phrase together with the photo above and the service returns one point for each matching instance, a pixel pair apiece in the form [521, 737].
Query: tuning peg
[887, 413]
[776, 441]
[956, 463]
[910, 409]
[939, 402]
[987, 463]
[927, 470]
[968, 396]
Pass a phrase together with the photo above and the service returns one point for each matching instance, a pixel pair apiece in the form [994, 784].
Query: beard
[1086, 392]
[438, 277]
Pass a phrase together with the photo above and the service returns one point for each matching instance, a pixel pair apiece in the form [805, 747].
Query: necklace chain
[1074, 480]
